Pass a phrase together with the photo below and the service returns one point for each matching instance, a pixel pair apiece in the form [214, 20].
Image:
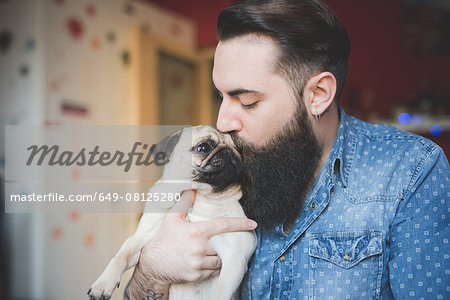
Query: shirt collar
[339, 159]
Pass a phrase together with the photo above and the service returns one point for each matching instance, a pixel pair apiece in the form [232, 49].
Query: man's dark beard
[277, 176]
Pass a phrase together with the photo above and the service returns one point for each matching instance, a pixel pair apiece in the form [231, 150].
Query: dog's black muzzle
[222, 170]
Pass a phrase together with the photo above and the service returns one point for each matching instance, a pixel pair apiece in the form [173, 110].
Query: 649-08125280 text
[102, 197]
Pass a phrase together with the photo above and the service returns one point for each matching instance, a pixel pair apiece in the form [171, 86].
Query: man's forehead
[241, 56]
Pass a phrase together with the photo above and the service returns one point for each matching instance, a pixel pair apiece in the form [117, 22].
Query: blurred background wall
[76, 62]
[69, 62]
[399, 61]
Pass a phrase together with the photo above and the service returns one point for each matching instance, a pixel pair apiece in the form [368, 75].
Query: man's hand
[180, 251]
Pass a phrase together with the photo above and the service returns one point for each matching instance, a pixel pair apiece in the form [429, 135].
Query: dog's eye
[204, 148]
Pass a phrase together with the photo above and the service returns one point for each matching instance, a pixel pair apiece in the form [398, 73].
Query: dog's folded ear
[164, 148]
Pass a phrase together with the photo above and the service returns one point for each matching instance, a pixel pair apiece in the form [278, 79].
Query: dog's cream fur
[234, 248]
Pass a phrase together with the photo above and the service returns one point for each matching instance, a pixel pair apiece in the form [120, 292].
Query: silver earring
[317, 118]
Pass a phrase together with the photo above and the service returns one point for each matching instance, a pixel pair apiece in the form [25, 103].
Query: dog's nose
[226, 152]
[235, 160]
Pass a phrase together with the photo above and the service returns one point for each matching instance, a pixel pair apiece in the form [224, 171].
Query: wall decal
[125, 55]
[71, 108]
[75, 27]
[111, 36]
[24, 70]
[57, 233]
[129, 9]
[6, 40]
[30, 44]
[74, 216]
[89, 240]
[90, 10]
[75, 174]
[96, 44]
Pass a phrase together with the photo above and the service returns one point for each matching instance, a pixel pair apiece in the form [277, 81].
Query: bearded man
[346, 209]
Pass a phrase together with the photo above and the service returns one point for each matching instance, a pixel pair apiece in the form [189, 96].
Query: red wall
[381, 67]
[382, 71]
[379, 61]
[203, 12]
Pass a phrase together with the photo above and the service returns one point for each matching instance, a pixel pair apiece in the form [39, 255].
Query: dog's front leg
[233, 270]
[126, 258]
[234, 256]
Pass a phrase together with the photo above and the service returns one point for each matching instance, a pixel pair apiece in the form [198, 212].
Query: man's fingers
[222, 225]
[210, 250]
[179, 210]
[206, 274]
[212, 262]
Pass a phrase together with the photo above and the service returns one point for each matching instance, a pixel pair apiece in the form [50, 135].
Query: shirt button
[313, 205]
[347, 257]
[282, 258]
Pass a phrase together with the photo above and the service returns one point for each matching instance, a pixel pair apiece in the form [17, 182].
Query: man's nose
[228, 119]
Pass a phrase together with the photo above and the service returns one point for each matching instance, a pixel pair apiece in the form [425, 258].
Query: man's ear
[320, 92]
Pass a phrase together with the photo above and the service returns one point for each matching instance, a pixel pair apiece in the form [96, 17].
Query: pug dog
[204, 159]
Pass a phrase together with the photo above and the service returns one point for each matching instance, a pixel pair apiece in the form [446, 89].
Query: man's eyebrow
[238, 92]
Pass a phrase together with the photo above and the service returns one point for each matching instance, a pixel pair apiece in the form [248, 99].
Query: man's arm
[180, 252]
[419, 264]
[141, 287]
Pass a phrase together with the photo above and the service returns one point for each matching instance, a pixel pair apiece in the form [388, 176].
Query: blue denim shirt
[375, 224]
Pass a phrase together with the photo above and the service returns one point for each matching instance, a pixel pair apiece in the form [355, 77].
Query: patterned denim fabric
[375, 224]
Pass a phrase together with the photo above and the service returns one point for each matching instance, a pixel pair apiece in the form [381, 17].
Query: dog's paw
[102, 289]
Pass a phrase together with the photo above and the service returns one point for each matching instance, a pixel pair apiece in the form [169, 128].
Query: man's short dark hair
[310, 36]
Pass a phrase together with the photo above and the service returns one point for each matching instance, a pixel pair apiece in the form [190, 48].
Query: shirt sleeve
[419, 264]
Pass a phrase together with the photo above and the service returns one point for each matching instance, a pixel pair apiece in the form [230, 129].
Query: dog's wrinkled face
[215, 160]
[203, 156]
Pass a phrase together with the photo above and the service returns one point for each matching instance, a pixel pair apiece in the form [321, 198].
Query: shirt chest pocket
[346, 265]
